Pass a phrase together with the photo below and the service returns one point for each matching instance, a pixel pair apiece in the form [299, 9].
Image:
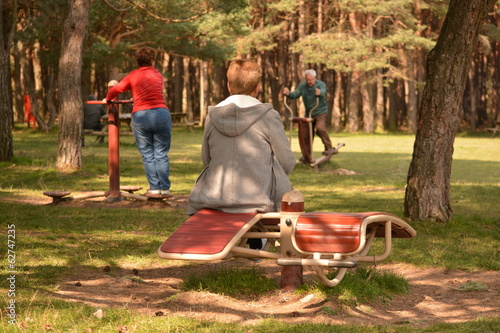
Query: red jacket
[146, 85]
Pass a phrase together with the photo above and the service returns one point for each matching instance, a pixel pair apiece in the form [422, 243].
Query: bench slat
[331, 232]
[328, 232]
[207, 232]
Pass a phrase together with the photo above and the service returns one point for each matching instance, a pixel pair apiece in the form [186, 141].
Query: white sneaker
[153, 191]
[167, 192]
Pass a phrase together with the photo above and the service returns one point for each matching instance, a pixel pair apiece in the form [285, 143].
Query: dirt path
[435, 297]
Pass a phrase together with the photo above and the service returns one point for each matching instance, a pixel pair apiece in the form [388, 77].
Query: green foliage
[42, 24]
[343, 52]
[261, 39]
[376, 7]
[185, 27]
[349, 49]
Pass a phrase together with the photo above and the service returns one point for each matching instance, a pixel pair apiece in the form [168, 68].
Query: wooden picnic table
[180, 119]
[125, 118]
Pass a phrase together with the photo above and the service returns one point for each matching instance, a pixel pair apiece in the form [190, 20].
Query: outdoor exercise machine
[321, 240]
[114, 194]
[306, 136]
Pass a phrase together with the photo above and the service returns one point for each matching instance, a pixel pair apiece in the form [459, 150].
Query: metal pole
[292, 205]
[113, 149]
[114, 154]
[290, 120]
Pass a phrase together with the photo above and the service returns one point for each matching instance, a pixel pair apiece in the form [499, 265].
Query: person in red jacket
[151, 120]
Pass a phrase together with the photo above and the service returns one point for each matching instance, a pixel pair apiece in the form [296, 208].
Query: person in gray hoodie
[245, 150]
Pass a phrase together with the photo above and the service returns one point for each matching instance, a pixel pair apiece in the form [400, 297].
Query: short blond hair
[243, 76]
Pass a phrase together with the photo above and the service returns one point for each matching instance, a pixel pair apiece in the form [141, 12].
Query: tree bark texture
[18, 86]
[7, 28]
[411, 93]
[187, 96]
[336, 108]
[204, 93]
[428, 183]
[354, 97]
[69, 153]
[366, 105]
[379, 102]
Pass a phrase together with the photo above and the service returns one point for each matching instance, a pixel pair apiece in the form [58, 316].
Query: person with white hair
[310, 90]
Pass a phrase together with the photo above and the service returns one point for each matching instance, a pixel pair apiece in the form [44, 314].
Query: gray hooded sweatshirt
[247, 159]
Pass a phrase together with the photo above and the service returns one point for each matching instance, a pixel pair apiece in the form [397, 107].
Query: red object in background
[28, 115]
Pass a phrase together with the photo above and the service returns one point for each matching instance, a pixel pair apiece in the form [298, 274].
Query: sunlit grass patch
[231, 281]
[364, 284]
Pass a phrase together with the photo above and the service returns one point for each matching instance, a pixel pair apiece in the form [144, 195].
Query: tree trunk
[379, 103]
[187, 96]
[368, 114]
[18, 84]
[219, 73]
[354, 97]
[8, 10]
[282, 77]
[393, 109]
[69, 153]
[27, 64]
[428, 187]
[275, 82]
[336, 108]
[178, 84]
[51, 94]
[411, 92]
[473, 100]
[204, 93]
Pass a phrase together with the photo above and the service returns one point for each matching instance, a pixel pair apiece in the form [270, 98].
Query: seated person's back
[245, 151]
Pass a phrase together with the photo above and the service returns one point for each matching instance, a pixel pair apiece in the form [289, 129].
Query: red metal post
[114, 150]
[114, 154]
[292, 276]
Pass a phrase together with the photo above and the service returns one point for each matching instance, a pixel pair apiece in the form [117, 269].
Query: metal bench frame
[200, 238]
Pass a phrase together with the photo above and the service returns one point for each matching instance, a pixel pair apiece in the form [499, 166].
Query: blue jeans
[153, 133]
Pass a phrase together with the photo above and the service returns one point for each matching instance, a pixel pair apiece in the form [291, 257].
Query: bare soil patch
[435, 297]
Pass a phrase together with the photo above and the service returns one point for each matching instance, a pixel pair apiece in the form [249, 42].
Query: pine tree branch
[169, 20]
[116, 9]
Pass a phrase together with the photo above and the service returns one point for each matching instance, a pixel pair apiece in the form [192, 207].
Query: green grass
[363, 285]
[232, 282]
[53, 242]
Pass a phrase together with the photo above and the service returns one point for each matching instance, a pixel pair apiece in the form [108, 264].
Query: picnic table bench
[320, 240]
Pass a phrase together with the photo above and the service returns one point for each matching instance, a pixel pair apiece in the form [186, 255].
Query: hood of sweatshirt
[231, 120]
